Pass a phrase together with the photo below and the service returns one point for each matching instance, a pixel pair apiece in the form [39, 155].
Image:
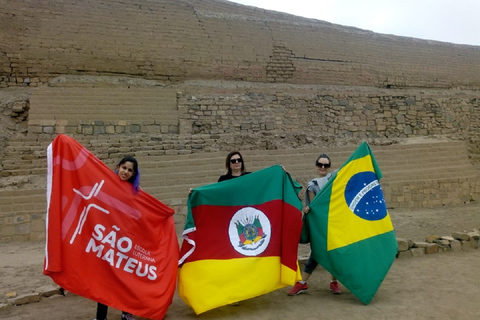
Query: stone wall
[425, 168]
[219, 108]
[179, 84]
[177, 40]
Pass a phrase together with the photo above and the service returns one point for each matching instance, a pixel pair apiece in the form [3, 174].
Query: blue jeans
[310, 265]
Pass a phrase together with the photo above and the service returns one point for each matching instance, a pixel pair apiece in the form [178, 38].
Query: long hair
[227, 162]
[135, 178]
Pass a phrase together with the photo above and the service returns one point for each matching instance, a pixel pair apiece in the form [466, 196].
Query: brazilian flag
[350, 230]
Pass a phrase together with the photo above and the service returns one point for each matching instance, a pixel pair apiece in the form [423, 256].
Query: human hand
[306, 209]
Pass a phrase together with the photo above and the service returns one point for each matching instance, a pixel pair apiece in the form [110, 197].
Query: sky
[455, 21]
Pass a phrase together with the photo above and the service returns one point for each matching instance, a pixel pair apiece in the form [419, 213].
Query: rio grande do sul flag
[240, 239]
[351, 233]
[104, 241]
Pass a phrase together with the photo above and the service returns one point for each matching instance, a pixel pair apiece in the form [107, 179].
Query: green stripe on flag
[251, 189]
[362, 266]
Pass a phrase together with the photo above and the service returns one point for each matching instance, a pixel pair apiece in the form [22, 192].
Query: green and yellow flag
[350, 230]
[240, 239]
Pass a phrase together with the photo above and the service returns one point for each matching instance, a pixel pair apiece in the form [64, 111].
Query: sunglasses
[235, 160]
[324, 165]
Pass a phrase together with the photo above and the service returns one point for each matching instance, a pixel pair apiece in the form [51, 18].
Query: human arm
[310, 195]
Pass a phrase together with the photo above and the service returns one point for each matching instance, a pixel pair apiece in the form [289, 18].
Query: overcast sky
[456, 21]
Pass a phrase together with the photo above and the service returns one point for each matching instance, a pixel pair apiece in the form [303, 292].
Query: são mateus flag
[240, 239]
[350, 230]
[104, 241]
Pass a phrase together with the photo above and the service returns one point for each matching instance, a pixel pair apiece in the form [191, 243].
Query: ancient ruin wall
[179, 83]
[174, 40]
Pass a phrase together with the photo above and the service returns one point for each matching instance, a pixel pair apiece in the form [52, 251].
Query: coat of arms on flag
[248, 226]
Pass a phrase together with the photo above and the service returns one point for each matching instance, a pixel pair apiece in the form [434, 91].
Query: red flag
[104, 241]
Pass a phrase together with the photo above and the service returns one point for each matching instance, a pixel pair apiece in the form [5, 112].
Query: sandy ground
[438, 286]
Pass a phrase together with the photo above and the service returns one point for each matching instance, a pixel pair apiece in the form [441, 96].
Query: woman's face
[236, 162]
[125, 171]
[322, 165]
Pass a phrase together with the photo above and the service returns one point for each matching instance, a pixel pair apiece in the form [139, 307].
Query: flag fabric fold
[105, 241]
[350, 230]
[240, 239]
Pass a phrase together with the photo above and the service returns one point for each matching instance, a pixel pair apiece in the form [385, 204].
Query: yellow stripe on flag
[208, 284]
[344, 227]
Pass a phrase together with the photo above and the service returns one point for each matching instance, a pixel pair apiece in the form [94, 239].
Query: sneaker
[298, 288]
[127, 316]
[335, 288]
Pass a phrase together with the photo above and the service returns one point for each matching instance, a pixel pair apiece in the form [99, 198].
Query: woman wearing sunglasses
[234, 165]
[322, 164]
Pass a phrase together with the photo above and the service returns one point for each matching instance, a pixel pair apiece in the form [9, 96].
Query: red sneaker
[335, 288]
[298, 288]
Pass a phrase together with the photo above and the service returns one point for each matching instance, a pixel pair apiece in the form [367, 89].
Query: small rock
[417, 252]
[455, 245]
[24, 299]
[431, 238]
[462, 236]
[402, 244]
[4, 306]
[431, 248]
[421, 244]
[49, 290]
[447, 238]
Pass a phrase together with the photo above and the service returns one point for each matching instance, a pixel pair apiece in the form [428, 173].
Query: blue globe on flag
[364, 196]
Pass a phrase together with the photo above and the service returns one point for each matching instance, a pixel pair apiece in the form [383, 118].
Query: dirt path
[439, 286]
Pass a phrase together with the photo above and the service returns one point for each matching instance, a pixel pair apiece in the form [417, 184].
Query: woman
[234, 165]
[127, 170]
[322, 164]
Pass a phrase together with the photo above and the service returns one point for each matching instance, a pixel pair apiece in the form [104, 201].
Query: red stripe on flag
[212, 238]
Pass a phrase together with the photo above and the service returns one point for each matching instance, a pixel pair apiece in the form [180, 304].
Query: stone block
[462, 236]
[35, 129]
[402, 244]
[404, 254]
[465, 245]
[48, 291]
[420, 244]
[87, 130]
[443, 242]
[431, 248]
[417, 252]
[410, 243]
[4, 306]
[443, 248]
[455, 245]
[431, 238]
[25, 299]
[473, 243]
[22, 229]
[474, 234]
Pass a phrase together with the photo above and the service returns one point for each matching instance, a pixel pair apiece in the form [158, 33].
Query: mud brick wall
[176, 40]
[103, 110]
[340, 112]
[220, 108]
[442, 175]
[180, 83]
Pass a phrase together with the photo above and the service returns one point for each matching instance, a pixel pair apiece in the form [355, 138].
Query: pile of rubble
[435, 244]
